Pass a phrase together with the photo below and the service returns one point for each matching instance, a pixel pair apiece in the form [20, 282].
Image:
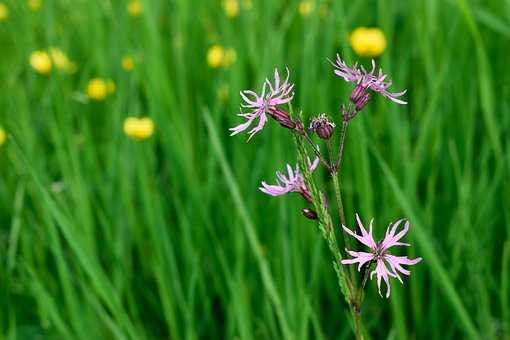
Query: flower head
[138, 128]
[231, 8]
[379, 253]
[368, 42]
[306, 7]
[322, 126]
[61, 60]
[266, 103]
[41, 62]
[215, 56]
[97, 89]
[128, 63]
[4, 11]
[34, 5]
[3, 136]
[293, 182]
[367, 80]
[134, 8]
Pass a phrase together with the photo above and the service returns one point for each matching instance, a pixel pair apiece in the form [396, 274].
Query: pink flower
[265, 103]
[293, 182]
[366, 80]
[379, 253]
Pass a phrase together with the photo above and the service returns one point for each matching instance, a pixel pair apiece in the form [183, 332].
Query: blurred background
[127, 211]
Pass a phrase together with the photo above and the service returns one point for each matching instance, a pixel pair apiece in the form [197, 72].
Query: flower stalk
[299, 179]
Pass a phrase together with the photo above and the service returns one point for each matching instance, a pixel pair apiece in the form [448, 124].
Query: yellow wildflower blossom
[231, 8]
[4, 11]
[110, 86]
[3, 136]
[215, 56]
[368, 42]
[41, 62]
[128, 63]
[139, 128]
[62, 61]
[34, 5]
[134, 8]
[306, 7]
[97, 89]
[229, 57]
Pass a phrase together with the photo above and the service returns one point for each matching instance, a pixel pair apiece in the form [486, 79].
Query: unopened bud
[360, 97]
[309, 213]
[283, 118]
[322, 126]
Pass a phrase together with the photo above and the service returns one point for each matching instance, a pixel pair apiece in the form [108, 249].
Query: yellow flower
[215, 56]
[368, 42]
[138, 128]
[4, 11]
[231, 8]
[247, 4]
[128, 63]
[229, 57]
[134, 8]
[110, 86]
[41, 62]
[97, 89]
[34, 5]
[61, 60]
[306, 7]
[3, 136]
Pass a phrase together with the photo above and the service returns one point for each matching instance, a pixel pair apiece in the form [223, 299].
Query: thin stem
[316, 150]
[342, 143]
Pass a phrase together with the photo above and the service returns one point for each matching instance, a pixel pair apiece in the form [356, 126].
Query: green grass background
[170, 237]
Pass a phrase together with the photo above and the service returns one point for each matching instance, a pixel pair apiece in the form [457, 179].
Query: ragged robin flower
[379, 254]
[266, 104]
[368, 42]
[366, 81]
[139, 128]
[3, 136]
[322, 126]
[293, 182]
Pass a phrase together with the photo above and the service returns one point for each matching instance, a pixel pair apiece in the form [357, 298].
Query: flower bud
[283, 118]
[360, 97]
[309, 213]
[322, 126]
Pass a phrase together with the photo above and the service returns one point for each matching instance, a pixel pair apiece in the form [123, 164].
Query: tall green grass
[105, 237]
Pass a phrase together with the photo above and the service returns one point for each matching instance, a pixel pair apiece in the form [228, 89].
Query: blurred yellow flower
[4, 11]
[110, 86]
[97, 89]
[215, 56]
[128, 63]
[368, 42]
[3, 136]
[34, 5]
[134, 8]
[138, 128]
[231, 8]
[62, 61]
[229, 57]
[306, 7]
[223, 92]
[247, 4]
[41, 62]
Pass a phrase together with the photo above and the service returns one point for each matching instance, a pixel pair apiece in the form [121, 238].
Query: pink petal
[359, 257]
[391, 239]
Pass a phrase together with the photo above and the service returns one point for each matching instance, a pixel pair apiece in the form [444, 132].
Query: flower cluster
[256, 110]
